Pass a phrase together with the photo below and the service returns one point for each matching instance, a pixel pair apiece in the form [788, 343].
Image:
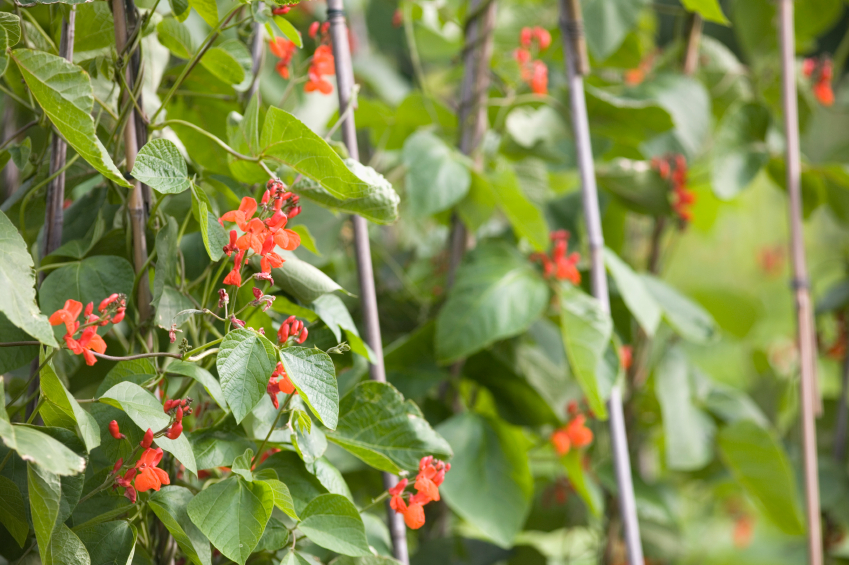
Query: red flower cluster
[262, 236]
[575, 434]
[145, 472]
[559, 265]
[534, 71]
[177, 408]
[820, 72]
[111, 309]
[284, 50]
[279, 382]
[292, 327]
[674, 169]
[430, 477]
[322, 60]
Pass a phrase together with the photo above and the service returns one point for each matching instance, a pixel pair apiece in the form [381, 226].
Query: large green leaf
[45, 492]
[201, 375]
[18, 280]
[608, 22]
[223, 65]
[64, 91]
[65, 547]
[275, 536]
[586, 331]
[490, 483]
[90, 280]
[245, 362]
[627, 121]
[217, 448]
[686, 317]
[165, 276]
[740, 149]
[303, 486]
[282, 497]
[13, 514]
[40, 448]
[233, 515]
[497, 294]
[10, 30]
[176, 37]
[377, 425]
[333, 522]
[146, 412]
[288, 141]
[206, 9]
[314, 376]
[760, 465]
[302, 280]
[524, 216]
[160, 166]
[170, 506]
[636, 185]
[94, 27]
[688, 432]
[708, 9]
[639, 301]
[109, 543]
[437, 177]
[64, 405]
[378, 204]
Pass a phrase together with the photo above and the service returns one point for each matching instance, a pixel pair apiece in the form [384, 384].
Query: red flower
[88, 341]
[579, 434]
[397, 19]
[284, 50]
[68, 315]
[149, 475]
[543, 37]
[561, 442]
[322, 64]
[279, 382]
[247, 208]
[539, 78]
[560, 265]
[824, 93]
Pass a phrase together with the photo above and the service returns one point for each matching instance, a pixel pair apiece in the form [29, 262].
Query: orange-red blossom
[560, 265]
[574, 435]
[89, 340]
[430, 477]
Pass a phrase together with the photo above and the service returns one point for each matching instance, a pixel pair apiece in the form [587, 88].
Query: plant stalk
[691, 54]
[804, 313]
[577, 65]
[365, 273]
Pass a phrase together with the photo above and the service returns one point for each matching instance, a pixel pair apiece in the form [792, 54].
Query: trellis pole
[801, 286]
[368, 296]
[577, 65]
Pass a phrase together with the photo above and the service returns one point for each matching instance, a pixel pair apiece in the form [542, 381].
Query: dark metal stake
[804, 313]
[577, 65]
[368, 296]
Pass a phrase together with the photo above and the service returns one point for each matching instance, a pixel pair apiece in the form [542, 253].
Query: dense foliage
[226, 414]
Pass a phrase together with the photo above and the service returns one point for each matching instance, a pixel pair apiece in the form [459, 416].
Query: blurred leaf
[10, 30]
[638, 299]
[436, 177]
[708, 9]
[760, 465]
[303, 281]
[607, 22]
[586, 488]
[288, 30]
[526, 219]
[333, 522]
[13, 513]
[691, 321]
[636, 185]
[206, 9]
[176, 37]
[626, 120]
[740, 150]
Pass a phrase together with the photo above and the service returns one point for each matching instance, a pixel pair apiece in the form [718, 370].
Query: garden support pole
[133, 75]
[368, 296]
[256, 55]
[577, 65]
[135, 202]
[804, 314]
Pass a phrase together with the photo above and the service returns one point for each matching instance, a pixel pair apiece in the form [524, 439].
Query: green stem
[271, 430]
[202, 347]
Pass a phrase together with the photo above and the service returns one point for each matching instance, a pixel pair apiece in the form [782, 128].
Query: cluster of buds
[176, 408]
[260, 299]
[322, 60]
[279, 382]
[674, 169]
[111, 309]
[574, 435]
[430, 477]
[560, 265]
[293, 328]
[143, 476]
[821, 72]
[534, 72]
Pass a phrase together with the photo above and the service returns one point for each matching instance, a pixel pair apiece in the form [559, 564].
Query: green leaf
[629, 122]
[13, 514]
[94, 27]
[288, 141]
[607, 22]
[201, 375]
[146, 412]
[176, 37]
[245, 361]
[90, 280]
[740, 149]
[64, 91]
[20, 153]
[335, 315]
[638, 299]
[180, 9]
[379, 202]
[333, 522]
[296, 558]
[302, 280]
[223, 65]
[377, 425]
[367, 560]
[708, 9]
[588, 490]
[40, 448]
[217, 447]
[303, 485]
[233, 515]
[314, 376]
[275, 536]
[586, 331]
[45, 492]
[165, 276]
[109, 543]
[170, 506]
[688, 431]
[288, 30]
[759, 464]
[160, 166]
[206, 9]
[636, 185]
[10, 30]
[214, 235]
[65, 547]
[55, 394]
[490, 484]
[497, 294]
[242, 465]
[524, 216]
[12, 358]
[691, 321]
[436, 177]
[282, 497]
[310, 443]
[18, 280]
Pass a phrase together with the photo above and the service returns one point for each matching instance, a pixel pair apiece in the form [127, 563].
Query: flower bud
[223, 298]
[148, 439]
[119, 315]
[179, 414]
[175, 431]
[118, 464]
[283, 333]
[303, 337]
[115, 430]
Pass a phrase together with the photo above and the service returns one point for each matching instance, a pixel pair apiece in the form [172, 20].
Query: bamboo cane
[804, 314]
[577, 65]
[135, 202]
[133, 73]
[256, 56]
[368, 296]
